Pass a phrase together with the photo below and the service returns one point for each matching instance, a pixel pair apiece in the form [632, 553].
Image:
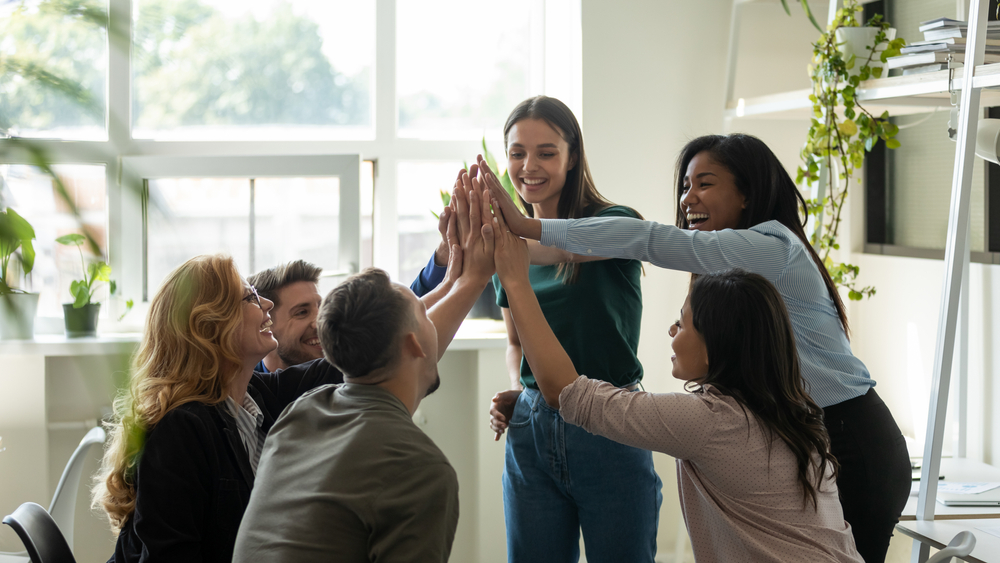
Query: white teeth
[313, 342]
[266, 326]
[696, 216]
[531, 181]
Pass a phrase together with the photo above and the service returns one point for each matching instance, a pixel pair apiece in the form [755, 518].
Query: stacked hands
[482, 226]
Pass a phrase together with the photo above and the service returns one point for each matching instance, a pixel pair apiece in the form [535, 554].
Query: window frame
[556, 69]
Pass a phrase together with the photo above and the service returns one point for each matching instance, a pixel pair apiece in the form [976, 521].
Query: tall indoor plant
[17, 306]
[842, 130]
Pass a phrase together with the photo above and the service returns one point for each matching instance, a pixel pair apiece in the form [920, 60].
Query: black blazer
[194, 478]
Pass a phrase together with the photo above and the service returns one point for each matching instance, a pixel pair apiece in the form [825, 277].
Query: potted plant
[17, 307]
[80, 316]
[838, 138]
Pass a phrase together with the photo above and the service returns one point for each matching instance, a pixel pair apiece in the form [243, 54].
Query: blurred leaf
[71, 239]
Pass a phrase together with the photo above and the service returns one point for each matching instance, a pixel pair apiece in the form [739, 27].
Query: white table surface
[965, 471]
[938, 533]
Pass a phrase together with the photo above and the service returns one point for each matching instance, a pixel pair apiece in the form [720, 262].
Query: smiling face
[256, 340]
[710, 199]
[295, 323]
[538, 159]
[690, 357]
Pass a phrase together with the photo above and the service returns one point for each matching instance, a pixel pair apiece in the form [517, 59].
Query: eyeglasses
[252, 297]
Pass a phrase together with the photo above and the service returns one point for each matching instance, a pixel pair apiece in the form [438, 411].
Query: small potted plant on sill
[80, 316]
[844, 56]
[17, 307]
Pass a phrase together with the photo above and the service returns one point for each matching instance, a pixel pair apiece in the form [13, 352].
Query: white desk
[938, 533]
[960, 470]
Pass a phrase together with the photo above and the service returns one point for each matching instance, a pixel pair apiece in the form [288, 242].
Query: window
[34, 195]
[277, 129]
[38, 38]
[218, 69]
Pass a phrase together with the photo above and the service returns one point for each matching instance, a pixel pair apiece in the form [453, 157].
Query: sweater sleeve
[666, 246]
[677, 424]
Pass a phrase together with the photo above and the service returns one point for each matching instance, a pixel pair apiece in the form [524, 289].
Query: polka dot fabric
[740, 502]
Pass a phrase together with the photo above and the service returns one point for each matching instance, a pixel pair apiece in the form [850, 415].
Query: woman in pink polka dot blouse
[757, 480]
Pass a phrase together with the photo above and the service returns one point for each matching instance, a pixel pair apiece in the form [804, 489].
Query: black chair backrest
[40, 534]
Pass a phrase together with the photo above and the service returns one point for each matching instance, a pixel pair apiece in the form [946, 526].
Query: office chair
[40, 534]
[960, 546]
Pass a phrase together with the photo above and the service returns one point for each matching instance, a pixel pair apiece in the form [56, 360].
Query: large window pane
[54, 70]
[461, 66]
[296, 218]
[269, 69]
[419, 195]
[192, 216]
[34, 195]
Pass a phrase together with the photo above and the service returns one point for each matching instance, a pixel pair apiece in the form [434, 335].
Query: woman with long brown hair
[559, 479]
[187, 434]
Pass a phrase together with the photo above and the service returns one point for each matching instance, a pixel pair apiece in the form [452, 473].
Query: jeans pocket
[521, 416]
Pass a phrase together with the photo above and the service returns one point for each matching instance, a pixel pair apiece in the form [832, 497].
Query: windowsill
[474, 334]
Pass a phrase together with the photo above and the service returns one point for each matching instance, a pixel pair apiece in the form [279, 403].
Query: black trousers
[874, 479]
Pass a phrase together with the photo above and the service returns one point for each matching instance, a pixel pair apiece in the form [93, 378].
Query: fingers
[498, 216]
[486, 213]
[451, 228]
[475, 209]
[443, 221]
[461, 199]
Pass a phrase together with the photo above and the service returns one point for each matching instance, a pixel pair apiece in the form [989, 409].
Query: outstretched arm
[549, 362]
[477, 264]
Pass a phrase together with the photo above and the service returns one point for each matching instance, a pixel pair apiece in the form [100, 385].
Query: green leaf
[847, 127]
[870, 143]
[72, 239]
[877, 72]
[128, 307]
[805, 6]
[112, 287]
[27, 256]
[82, 298]
[892, 143]
[99, 271]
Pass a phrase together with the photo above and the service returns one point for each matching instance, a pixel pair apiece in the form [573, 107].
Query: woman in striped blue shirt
[737, 207]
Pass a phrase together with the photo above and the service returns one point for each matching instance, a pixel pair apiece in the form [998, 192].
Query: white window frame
[556, 36]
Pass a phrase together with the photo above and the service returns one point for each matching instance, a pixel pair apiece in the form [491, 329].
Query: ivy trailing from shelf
[837, 141]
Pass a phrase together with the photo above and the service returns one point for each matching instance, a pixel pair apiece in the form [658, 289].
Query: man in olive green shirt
[345, 474]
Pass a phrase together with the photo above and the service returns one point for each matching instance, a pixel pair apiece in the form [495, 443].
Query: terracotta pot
[82, 321]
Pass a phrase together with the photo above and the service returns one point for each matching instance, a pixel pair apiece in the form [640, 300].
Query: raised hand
[478, 239]
[516, 221]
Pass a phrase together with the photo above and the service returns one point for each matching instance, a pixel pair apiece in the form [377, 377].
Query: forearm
[514, 355]
[549, 362]
[433, 297]
[451, 310]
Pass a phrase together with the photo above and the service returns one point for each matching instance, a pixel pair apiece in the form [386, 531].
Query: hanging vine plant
[842, 130]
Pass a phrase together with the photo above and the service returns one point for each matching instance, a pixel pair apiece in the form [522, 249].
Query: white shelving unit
[904, 95]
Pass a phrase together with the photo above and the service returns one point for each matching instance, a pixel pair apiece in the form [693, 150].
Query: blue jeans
[558, 479]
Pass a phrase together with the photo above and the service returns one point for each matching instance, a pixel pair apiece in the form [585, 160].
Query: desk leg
[920, 553]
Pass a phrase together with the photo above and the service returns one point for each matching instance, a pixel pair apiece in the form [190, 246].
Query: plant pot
[486, 306]
[82, 321]
[856, 40]
[17, 315]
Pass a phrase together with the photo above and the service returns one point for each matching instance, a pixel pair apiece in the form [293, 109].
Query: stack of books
[943, 37]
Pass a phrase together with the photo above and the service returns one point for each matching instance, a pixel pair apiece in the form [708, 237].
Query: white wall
[652, 79]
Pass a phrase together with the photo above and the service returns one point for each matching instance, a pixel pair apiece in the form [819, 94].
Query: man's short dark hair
[361, 321]
[269, 281]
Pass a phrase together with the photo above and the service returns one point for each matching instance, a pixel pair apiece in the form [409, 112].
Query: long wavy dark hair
[770, 193]
[579, 197]
[752, 358]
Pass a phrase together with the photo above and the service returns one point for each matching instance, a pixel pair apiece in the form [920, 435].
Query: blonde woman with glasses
[188, 430]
